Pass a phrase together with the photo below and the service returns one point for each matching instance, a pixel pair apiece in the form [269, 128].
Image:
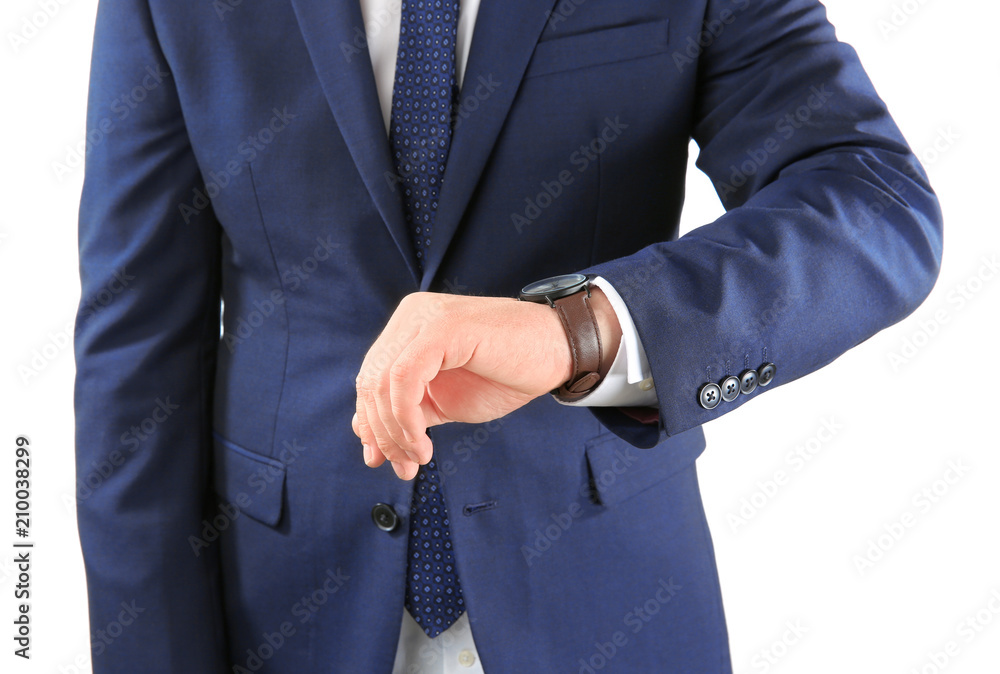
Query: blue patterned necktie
[420, 134]
[420, 125]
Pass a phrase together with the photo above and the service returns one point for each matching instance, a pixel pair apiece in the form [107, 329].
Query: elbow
[920, 264]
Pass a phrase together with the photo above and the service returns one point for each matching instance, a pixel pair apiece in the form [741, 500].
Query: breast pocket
[600, 47]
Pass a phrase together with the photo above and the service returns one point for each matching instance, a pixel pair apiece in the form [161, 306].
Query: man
[368, 231]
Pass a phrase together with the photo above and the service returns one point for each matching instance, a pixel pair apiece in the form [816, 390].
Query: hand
[444, 358]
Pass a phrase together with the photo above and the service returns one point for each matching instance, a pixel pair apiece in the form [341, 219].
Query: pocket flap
[607, 45]
[250, 481]
[620, 471]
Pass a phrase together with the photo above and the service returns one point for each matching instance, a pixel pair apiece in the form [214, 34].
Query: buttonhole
[473, 508]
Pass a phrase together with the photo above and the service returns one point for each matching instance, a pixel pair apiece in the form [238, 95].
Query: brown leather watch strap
[577, 315]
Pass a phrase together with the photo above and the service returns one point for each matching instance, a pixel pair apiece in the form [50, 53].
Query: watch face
[555, 287]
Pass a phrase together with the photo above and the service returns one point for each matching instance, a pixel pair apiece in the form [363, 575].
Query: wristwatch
[569, 295]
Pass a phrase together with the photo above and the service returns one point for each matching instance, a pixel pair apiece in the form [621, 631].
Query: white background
[794, 560]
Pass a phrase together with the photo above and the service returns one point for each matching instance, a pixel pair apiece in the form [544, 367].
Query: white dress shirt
[627, 384]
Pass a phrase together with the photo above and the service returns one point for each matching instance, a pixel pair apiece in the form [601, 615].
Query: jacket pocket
[619, 471]
[249, 481]
[607, 45]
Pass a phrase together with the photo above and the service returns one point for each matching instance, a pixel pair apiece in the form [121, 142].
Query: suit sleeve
[146, 333]
[831, 231]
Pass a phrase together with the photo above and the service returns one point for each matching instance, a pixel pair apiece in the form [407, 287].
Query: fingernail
[398, 469]
[368, 454]
[408, 436]
[413, 457]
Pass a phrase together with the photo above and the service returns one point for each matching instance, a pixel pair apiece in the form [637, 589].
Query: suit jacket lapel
[502, 44]
[345, 74]
[504, 38]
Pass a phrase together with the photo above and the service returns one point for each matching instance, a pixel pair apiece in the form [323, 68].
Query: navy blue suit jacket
[240, 155]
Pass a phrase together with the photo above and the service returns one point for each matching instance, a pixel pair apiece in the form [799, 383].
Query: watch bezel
[576, 283]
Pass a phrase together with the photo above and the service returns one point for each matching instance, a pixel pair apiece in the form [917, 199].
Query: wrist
[555, 339]
[591, 333]
[608, 328]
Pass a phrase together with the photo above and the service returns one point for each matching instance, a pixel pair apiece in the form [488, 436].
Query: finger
[406, 471]
[379, 438]
[409, 378]
[405, 467]
[377, 442]
[397, 448]
[408, 441]
[372, 456]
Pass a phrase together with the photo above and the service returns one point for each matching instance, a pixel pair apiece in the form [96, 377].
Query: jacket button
[766, 373]
[709, 396]
[730, 389]
[384, 517]
[748, 381]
